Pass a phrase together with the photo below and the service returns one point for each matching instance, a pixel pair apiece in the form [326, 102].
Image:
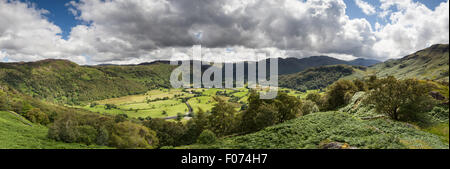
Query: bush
[206, 137]
[362, 86]
[86, 134]
[93, 104]
[340, 93]
[309, 107]
[168, 133]
[222, 120]
[35, 115]
[3, 101]
[405, 100]
[263, 113]
[120, 118]
[319, 100]
[128, 135]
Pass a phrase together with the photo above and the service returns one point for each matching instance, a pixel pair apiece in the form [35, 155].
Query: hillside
[323, 129]
[318, 78]
[363, 62]
[431, 63]
[295, 65]
[15, 134]
[65, 82]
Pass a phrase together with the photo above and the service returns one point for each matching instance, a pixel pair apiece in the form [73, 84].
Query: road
[186, 116]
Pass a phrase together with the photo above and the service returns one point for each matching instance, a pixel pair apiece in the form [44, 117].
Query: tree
[340, 93]
[35, 115]
[93, 104]
[180, 116]
[3, 101]
[263, 113]
[309, 107]
[372, 82]
[258, 115]
[319, 100]
[201, 120]
[168, 133]
[130, 135]
[289, 107]
[222, 120]
[401, 99]
[361, 85]
[120, 118]
[86, 134]
[110, 106]
[206, 137]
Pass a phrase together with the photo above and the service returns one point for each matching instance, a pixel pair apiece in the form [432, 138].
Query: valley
[170, 103]
[397, 104]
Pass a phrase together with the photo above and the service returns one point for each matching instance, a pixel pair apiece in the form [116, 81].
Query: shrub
[309, 107]
[340, 93]
[222, 120]
[93, 104]
[86, 134]
[120, 118]
[168, 133]
[206, 137]
[128, 135]
[3, 101]
[405, 100]
[263, 113]
[110, 106]
[319, 100]
[362, 86]
[35, 115]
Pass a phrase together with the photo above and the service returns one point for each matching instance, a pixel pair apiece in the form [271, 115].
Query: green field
[155, 102]
[15, 134]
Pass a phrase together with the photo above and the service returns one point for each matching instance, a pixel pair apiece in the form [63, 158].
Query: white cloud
[133, 31]
[123, 30]
[26, 35]
[367, 8]
[413, 27]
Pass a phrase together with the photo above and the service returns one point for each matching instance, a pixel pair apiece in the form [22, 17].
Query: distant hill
[295, 65]
[65, 82]
[318, 77]
[431, 63]
[364, 62]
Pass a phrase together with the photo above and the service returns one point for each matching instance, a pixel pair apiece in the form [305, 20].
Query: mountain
[65, 82]
[295, 65]
[318, 77]
[364, 62]
[431, 63]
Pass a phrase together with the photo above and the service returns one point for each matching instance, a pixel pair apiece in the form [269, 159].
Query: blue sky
[61, 16]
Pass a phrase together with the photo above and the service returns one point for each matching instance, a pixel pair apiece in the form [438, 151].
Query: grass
[206, 103]
[14, 134]
[441, 130]
[138, 105]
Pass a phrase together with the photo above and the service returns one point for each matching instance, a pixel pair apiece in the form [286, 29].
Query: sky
[134, 31]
